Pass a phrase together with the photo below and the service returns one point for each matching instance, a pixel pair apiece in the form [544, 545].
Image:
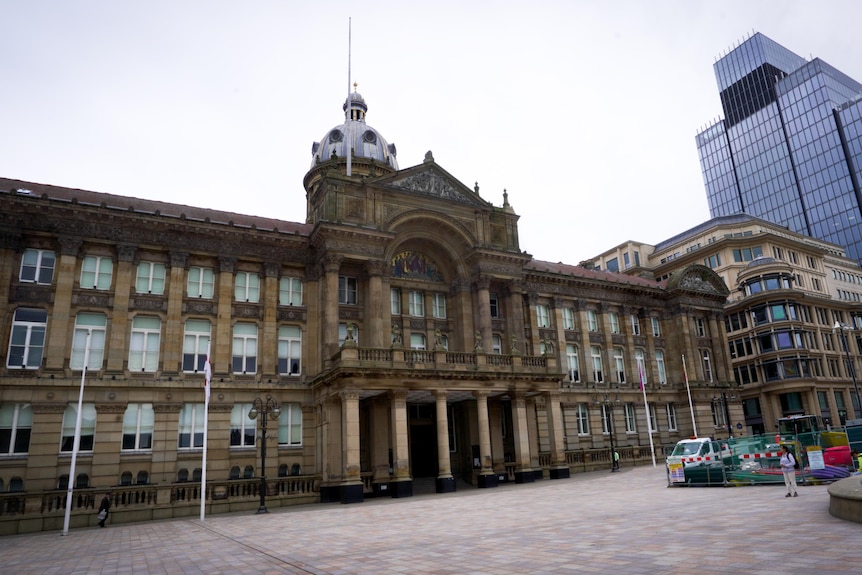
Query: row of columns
[398, 480]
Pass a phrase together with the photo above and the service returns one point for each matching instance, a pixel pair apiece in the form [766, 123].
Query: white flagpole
[76, 442]
[688, 389]
[646, 410]
[349, 143]
[207, 379]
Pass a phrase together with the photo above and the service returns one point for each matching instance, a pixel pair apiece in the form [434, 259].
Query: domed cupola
[366, 142]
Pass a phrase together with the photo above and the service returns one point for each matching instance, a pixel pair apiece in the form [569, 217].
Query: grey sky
[585, 111]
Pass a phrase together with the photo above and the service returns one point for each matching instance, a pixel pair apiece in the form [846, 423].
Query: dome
[365, 141]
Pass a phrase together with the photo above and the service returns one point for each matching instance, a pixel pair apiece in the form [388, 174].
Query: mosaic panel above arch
[410, 264]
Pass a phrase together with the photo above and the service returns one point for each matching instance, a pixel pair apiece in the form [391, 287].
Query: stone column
[221, 350]
[379, 444]
[533, 436]
[268, 367]
[483, 312]
[59, 346]
[719, 349]
[556, 437]
[173, 355]
[331, 267]
[402, 482]
[516, 319]
[351, 486]
[487, 478]
[445, 481]
[377, 306]
[118, 336]
[523, 471]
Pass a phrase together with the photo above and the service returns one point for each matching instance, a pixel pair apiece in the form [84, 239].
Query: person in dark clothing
[104, 508]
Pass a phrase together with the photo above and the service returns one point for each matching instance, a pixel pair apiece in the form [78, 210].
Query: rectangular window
[636, 325]
[247, 287]
[607, 424]
[244, 355]
[37, 266]
[495, 305]
[144, 344]
[615, 322]
[542, 316]
[631, 422]
[572, 362]
[16, 423]
[619, 365]
[707, 367]
[200, 282]
[656, 326]
[568, 318]
[416, 303]
[670, 409]
[496, 344]
[653, 422]
[289, 350]
[348, 291]
[417, 341]
[700, 327]
[96, 272]
[242, 427]
[660, 368]
[94, 326]
[150, 278]
[191, 427]
[138, 423]
[196, 340]
[290, 425]
[438, 302]
[592, 321]
[27, 340]
[289, 291]
[395, 301]
[596, 355]
[88, 427]
[583, 418]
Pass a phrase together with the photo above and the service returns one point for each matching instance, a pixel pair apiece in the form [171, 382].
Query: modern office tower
[788, 149]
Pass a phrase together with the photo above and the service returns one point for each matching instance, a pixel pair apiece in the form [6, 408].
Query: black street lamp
[842, 328]
[608, 414]
[269, 406]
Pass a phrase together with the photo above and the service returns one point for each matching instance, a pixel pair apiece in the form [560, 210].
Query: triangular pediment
[429, 179]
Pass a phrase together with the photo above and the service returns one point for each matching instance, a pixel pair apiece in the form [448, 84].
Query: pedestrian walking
[616, 465]
[104, 508]
[788, 468]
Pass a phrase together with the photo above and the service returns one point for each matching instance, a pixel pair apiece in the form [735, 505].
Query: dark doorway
[423, 440]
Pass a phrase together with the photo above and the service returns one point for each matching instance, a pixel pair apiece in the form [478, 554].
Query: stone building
[787, 293]
[402, 331]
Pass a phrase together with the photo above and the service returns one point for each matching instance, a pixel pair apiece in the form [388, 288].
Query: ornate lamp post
[269, 406]
[842, 328]
[608, 414]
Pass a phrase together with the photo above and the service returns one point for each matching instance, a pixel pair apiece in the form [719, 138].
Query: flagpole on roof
[76, 442]
[207, 379]
[349, 138]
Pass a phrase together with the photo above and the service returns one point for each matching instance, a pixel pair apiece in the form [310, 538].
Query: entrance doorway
[423, 440]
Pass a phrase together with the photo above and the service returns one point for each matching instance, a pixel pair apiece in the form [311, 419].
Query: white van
[698, 451]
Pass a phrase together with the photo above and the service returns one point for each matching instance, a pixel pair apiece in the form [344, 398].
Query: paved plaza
[599, 522]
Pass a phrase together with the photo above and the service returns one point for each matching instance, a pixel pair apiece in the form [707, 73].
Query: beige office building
[405, 337]
[793, 300]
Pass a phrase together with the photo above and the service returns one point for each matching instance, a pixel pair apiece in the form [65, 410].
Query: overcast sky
[585, 111]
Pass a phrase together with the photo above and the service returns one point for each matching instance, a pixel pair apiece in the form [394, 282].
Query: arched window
[196, 474]
[282, 470]
[63, 482]
[234, 472]
[248, 473]
[182, 475]
[16, 484]
[126, 478]
[82, 481]
[295, 469]
[143, 478]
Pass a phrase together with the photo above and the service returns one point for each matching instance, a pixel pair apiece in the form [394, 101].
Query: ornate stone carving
[69, 246]
[91, 299]
[227, 265]
[199, 307]
[432, 184]
[291, 315]
[271, 269]
[126, 253]
[179, 259]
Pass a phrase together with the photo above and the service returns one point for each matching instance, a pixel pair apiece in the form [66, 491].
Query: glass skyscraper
[789, 148]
